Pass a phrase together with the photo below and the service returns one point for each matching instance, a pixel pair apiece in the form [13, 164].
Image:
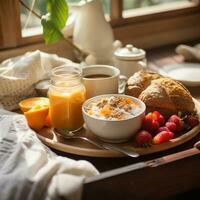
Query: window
[31, 25]
[152, 26]
[151, 6]
[127, 4]
[136, 8]
[131, 20]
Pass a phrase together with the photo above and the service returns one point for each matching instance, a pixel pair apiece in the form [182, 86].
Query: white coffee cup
[102, 79]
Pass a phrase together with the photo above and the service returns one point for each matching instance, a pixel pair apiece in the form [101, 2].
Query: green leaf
[58, 10]
[50, 32]
[54, 21]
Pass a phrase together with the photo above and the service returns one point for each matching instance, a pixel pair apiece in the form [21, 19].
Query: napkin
[189, 53]
[19, 74]
[30, 170]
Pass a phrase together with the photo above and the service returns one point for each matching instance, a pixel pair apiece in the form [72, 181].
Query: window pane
[130, 4]
[31, 25]
[106, 6]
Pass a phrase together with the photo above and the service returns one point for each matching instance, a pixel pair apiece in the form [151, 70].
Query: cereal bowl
[113, 117]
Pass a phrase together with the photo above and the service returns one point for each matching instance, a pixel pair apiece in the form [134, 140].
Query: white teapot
[129, 60]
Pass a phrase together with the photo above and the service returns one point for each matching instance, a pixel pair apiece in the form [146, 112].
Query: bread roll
[158, 93]
[139, 82]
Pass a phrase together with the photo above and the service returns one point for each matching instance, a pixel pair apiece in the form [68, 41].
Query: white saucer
[187, 73]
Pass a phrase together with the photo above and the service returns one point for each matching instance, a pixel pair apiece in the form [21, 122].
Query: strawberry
[177, 120]
[192, 121]
[155, 125]
[171, 134]
[157, 116]
[156, 113]
[171, 126]
[163, 136]
[161, 120]
[149, 116]
[163, 128]
[150, 124]
[143, 138]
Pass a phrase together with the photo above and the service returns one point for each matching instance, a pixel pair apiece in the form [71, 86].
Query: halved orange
[29, 103]
[36, 116]
[47, 121]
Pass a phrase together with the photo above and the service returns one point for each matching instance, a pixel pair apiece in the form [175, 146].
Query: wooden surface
[178, 180]
[80, 147]
[175, 181]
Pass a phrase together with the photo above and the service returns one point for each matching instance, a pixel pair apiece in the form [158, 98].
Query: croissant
[159, 93]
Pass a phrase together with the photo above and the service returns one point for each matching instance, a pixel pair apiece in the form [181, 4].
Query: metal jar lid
[129, 52]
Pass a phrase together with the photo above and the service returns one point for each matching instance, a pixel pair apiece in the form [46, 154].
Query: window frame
[10, 27]
[152, 30]
[11, 37]
[179, 8]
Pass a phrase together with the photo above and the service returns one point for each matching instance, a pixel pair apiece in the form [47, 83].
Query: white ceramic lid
[129, 52]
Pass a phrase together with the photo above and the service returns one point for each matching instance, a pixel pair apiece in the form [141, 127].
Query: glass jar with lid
[66, 95]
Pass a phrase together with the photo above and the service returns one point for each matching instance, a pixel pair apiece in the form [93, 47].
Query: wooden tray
[80, 147]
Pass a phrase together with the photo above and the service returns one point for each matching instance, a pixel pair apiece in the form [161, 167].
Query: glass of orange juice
[66, 96]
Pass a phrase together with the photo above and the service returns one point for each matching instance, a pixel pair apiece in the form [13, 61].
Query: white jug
[92, 32]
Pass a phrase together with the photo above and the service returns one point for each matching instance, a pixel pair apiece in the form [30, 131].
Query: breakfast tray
[79, 147]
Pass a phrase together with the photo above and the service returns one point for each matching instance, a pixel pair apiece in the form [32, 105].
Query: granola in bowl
[113, 108]
[113, 117]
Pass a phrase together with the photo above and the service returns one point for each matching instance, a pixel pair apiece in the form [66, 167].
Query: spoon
[102, 145]
[71, 135]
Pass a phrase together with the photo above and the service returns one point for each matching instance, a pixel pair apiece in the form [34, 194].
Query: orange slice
[29, 103]
[36, 116]
[47, 121]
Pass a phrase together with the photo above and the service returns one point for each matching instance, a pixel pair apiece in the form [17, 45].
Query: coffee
[93, 76]
[100, 79]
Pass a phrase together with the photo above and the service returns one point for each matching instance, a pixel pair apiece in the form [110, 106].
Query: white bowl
[114, 130]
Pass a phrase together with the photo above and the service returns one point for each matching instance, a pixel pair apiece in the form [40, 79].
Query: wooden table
[175, 180]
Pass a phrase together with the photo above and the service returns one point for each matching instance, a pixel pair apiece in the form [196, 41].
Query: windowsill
[33, 31]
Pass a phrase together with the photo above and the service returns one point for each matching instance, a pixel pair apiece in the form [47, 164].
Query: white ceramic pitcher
[92, 32]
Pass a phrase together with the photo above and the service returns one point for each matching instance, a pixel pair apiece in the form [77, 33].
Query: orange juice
[65, 109]
[66, 96]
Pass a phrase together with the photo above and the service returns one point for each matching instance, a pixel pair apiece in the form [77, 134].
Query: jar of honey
[66, 95]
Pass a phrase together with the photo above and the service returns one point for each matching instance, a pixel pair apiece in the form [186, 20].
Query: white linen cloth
[19, 74]
[189, 53]
[29, 170]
